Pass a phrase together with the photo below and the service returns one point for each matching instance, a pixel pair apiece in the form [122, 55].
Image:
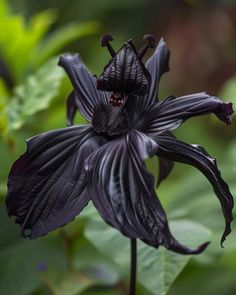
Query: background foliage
[88, 257]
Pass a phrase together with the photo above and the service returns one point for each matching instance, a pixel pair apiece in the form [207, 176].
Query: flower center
[117, 99]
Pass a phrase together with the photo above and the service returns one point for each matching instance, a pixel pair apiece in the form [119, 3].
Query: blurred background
[86, 256]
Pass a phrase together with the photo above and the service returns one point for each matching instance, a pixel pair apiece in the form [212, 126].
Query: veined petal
[165, 165]
[110, 120]
[123, 192]
[125, 73]
[85, 95]
[172, 112]
[175, 150]
[157, 65]
[47, 186]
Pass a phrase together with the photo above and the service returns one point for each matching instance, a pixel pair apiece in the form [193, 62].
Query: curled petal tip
[105, 39]
[178, 248]
[225, 111]
[68, 58]
[226, 233]
[151, 39]
[198, 250]
[201, 248]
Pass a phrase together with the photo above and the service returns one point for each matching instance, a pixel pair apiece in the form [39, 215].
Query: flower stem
[133, 266]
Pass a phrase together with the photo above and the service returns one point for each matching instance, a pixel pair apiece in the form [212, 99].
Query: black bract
[62, 170]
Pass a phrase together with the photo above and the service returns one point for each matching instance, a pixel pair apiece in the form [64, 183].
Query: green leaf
[4, 9]
[35, 94]
[65, 283]
[61, 37]
[19, 259]
[22, 38]
[157, 269]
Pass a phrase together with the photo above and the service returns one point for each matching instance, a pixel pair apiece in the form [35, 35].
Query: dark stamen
[117, 99]
[104, 41]
[151, 44]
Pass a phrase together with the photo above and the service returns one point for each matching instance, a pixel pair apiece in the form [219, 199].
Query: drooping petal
[125, 73]
[173, 149]
[172, 112]
[47, 186]
[157, 65]
[165, 168]
[71, 108]
[86, 97]
[165, 165]
[123, 192]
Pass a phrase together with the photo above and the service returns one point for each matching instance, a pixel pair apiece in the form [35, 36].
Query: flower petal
[172, 112]
[111, 120]
[165, 165]
[71, 108]
[175, 150]
[165, 168]
[125, 73]
[87, 96]
[157, 65]
[123, 192]
[47, 186]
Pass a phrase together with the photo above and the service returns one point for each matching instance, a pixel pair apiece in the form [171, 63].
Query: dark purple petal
[165, 165]
[47, 186]
[110, 120]
[165, 168]
[123, 192]
[172, 112]
[175, 150]
[71, 108]
[125, 73]
[157, 65]
[87, 96]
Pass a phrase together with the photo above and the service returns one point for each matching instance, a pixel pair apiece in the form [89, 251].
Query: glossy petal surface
[110, 120]
[85, 86]
[125, 73]
[157, 65]
[175, 150]
[170, 113]
[122, 190]
[47, 184]
[165, 168]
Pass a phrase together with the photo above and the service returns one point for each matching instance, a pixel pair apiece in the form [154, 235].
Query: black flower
[104, 161]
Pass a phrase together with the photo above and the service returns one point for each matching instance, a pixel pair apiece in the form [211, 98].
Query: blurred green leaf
[35, 94]
[20, 259]
[4, 9]
[228, 91]
[25, 46]
[56, 41]
[157, 269]
[64, 283]
[21, 38]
